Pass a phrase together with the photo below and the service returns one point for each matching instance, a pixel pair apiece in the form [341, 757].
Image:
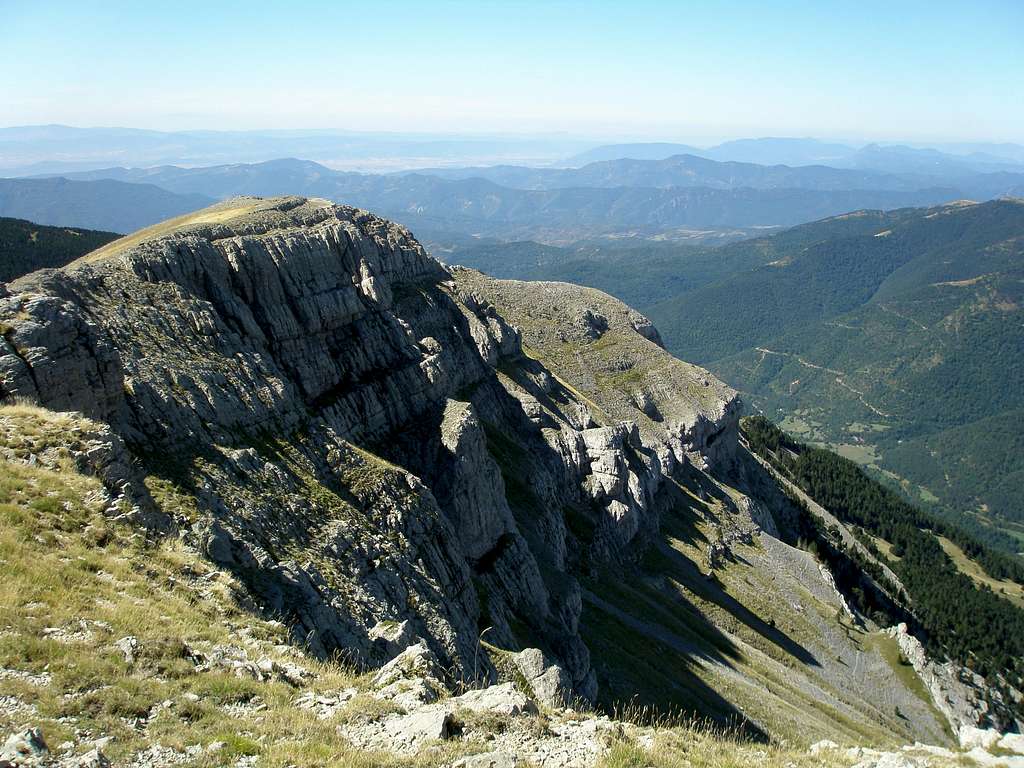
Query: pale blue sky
[688, 71]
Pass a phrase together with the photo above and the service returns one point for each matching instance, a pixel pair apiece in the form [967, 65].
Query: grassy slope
[734, 647]
[220, 213]
[730, 649]
[969, 624]
[75, 583]
[1013, 592]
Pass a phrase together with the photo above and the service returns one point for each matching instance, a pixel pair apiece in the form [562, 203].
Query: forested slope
[26, 247]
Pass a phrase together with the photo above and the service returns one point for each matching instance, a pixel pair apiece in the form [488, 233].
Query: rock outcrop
[359, 433]
[959, 693]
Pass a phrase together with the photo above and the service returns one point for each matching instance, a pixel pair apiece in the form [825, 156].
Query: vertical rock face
[362, 433]
[469, 483]
[624, 492]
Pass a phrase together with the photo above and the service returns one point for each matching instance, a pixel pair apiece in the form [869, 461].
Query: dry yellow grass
[221, 213]
[216, 214]
[1008, 589]
[74, 583]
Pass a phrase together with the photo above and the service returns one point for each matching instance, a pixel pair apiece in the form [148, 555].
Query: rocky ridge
[327, 394]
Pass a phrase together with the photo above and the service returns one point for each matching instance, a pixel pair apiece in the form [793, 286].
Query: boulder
[416, 661]
[1012, 742]
[825, 745]
[410, 679]
[129, 647]
[487, 760]
[410, 694]
[550, 684]
[230, 658]
[94, 758]
[888, 760]
[286, 671]
[427, 724]
[971, 737]
[501, 699]
[327, 705]
[393, 636]
[592, 324]
[982, 757]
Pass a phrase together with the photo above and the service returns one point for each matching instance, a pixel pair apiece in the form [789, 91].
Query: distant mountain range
[767, 151]
[686, 170]
[103, 204]
[669, 191]
[58, 149]
[900, 159]
[667, 198]
[953, 160]
[693, 171]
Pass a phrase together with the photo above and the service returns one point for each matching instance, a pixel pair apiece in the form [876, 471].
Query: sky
[688, 71]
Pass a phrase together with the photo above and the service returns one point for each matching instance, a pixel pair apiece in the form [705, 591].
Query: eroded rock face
[469, 481]
[361, 437]
[622, 479]
[960, 694]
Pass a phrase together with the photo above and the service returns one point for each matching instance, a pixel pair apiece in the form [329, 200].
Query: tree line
[971, 624]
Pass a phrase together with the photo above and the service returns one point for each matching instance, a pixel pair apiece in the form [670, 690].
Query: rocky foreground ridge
[253, 354]
[455, 483]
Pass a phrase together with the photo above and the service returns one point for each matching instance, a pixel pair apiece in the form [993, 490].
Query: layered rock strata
[358, 433]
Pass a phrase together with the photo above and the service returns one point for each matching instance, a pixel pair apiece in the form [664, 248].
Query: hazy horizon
[918, 73]
[595, 137]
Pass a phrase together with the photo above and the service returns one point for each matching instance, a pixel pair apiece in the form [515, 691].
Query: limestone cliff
[334, 401]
